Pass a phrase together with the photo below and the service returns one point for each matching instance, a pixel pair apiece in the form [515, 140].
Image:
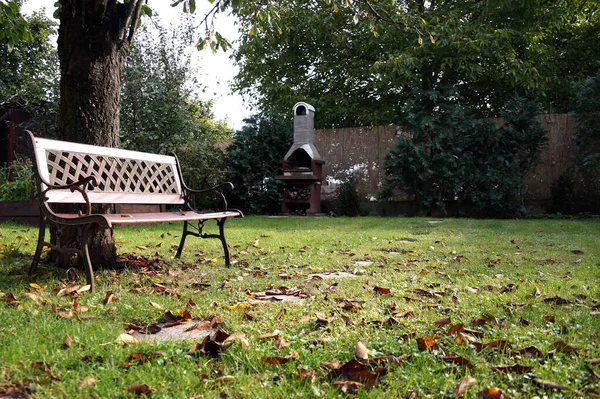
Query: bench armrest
[218, 189]
[79, 186]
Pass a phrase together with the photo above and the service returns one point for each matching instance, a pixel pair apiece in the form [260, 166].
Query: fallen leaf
[360, 351]
[304, 374]
[224, 380]
[556, 300]
[490, 393]
[348, 386]
[382, 290]
[562, 346]
[274, 359]
[274, 334]
[86, 382]
[459, 360]
[425, 343]
[515, 368]
[125, 339]
[529, 352]
[8, 298]
[501, 345]
[442, 322]
[550, 385]
[280, 314]
[156, 305]
[84, 288]
[461, 388]
[46, 369]
[68, 342]
[139, 389]
[108, 297]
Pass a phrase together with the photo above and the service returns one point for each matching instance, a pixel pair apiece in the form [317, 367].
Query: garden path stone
[363, 263]
[175, 333]
[325, 276]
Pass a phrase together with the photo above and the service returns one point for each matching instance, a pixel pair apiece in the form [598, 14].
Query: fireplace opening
[299, 160]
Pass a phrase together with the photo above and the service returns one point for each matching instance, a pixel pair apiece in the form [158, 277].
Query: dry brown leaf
[458, 360]
[333, 365]
[461, 388]
[65, 314]
[275, 359]
[156, 305]
[108, 297]
[125, 339]
[348, 386]
[360, 351]
[515, 368]
[46, 369]
[442, 322]
[550, 385]
[84, 288]
[425, 343]
[68, 342]
[382, 290]
[304, 374]
[562, 346]
[280, 314]
[280, 342]
[224, 380]
[139, 389]
[87, 382]
[274, 334]
[530, 351]
[490, 393]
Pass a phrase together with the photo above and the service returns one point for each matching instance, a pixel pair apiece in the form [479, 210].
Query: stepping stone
[325, 276]
[363, 263]
[175, 333]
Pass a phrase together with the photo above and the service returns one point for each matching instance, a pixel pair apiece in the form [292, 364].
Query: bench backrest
[123, 176]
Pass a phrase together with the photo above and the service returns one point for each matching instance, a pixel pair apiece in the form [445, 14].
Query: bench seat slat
[144, 218]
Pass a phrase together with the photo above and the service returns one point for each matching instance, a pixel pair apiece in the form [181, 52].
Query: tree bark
[93, 40]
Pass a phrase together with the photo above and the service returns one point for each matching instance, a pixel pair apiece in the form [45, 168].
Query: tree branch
[133, 20]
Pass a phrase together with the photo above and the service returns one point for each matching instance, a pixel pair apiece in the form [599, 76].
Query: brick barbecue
[302, 167]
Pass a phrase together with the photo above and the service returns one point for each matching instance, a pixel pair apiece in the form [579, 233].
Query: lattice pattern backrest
[113, 174]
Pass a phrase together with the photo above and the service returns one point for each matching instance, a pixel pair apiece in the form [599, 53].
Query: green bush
[449, 155]
[254, 160]
[17, 181]
[347, 197]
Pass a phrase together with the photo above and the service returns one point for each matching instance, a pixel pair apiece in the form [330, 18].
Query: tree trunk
[93, 39]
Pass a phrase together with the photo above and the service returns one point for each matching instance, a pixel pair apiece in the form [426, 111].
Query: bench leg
[39, 247]
[87, 263]
[221, 224]
[182, 242]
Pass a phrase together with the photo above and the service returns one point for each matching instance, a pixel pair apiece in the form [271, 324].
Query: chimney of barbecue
[304, 131]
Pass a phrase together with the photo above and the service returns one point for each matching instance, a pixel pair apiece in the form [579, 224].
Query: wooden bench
[72, 173]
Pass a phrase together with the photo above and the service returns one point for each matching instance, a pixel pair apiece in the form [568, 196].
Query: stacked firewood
[297, 193]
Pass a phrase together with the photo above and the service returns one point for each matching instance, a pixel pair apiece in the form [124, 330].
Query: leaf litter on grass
[465, 331]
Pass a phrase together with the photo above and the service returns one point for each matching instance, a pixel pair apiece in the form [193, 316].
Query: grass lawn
[391, 307]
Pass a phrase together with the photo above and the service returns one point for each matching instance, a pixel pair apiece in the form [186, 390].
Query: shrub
[347, 197]
[563, 194]
[254, 160]
[451, 155]
[17, 181]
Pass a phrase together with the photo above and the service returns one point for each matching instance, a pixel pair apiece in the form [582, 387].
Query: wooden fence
[363, 149]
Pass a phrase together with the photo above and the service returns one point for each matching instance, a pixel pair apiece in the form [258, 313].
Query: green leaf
[146, 10]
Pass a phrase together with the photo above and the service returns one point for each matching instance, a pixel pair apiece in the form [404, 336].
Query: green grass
[536, 281]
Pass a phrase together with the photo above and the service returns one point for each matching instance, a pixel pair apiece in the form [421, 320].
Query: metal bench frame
[74, 173]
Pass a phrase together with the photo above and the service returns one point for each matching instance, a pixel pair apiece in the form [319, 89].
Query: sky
[215, 70]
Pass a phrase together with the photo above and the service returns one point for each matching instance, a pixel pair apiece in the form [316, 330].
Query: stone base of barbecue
[302, 190]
